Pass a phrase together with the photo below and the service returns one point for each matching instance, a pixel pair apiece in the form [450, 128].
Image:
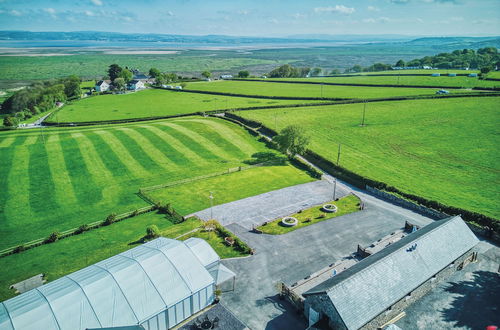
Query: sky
[270, 18]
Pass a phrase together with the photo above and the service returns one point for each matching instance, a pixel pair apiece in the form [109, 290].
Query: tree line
[39, 97]
[484, 59]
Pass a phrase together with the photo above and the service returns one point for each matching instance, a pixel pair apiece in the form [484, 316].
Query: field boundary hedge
[364, 85]
[281, 106]
[360, 181]
[77, 230]
[256, 96]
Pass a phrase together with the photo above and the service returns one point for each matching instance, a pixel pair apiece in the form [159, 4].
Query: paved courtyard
[255, 210]
[297, 254]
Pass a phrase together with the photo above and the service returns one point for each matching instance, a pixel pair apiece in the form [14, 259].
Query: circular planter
[330, 208]
[289, 221]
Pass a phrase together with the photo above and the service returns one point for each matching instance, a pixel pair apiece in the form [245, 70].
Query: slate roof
[100, 82]
[371, 286]
[133, 82]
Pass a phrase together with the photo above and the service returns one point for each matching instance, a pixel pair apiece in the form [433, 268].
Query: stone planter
[330, 208]
[289, 221]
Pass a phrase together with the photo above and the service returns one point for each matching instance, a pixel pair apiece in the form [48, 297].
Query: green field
[191, 197]
[95, 65]
[445, 81]
[154, 102]
[308, 90]
[57, 179]
[445, 150]
[65, 256]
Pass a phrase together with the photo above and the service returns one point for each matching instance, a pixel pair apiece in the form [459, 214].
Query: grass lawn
[443, 80]
[346, 205]
[68, 177]
[307, 90]
[153, 102]
[217, 242]
[444, 150]
[191, 197]
[76, 252]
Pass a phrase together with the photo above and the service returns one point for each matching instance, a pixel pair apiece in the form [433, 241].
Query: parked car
[442, 91]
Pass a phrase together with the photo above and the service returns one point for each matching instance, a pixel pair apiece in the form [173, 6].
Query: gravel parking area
[255, 210]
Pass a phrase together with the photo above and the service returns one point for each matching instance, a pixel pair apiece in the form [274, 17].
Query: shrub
[110, 219]
[19, 248]
[52, 237]
[82, 228]
[152, 231]
[134, 213]
[322, 216]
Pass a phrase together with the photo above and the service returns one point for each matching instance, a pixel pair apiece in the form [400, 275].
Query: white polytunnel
[156, 285]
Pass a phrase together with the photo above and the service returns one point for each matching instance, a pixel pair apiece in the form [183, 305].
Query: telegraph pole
[364, 111]
[335, 182]
[338, 156]
[211, 197]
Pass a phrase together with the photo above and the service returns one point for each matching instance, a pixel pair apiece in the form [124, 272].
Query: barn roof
[125, 289]
[371, 286]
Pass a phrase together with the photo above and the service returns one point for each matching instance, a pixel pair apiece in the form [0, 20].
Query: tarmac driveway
[295, 255]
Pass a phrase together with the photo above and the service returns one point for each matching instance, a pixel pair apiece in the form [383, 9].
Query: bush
[19, 249]
[52, 237]
[152, 231]
[110, 219]
[82, 229]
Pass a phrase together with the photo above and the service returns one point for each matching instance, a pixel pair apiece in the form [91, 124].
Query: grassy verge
[217, 243]
[73, 253]
[346, 205]
[193, 196]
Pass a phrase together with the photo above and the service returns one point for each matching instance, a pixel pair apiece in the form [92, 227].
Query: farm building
[472, 74]
[156, 285]
[379, 287]
[135, 85]
[435, 74]
[452, 74]
[226, 76]
[102, 85]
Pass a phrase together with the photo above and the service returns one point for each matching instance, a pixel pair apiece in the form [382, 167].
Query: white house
[135, 85]
[226, 76]
[102, 85]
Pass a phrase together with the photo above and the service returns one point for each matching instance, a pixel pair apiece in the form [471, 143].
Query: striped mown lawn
[62, 178]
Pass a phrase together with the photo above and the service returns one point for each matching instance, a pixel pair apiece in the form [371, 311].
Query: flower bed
[330, 208]
[289, 221]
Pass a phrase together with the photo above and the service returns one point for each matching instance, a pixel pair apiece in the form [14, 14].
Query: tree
[206, 74]
[400, 64]
[160, 79]
[357, 68]
[9, 121]
[126, 75]
[485, 69]
[335, 71]
[114, 71]
[152, 231]
[72, 87]
[171, 77]
[154, 72]
[243, 74]
[119, 83]
[316, 71]
[292, 140]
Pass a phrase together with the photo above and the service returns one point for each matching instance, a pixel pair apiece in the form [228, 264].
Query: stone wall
[407, 204]
[322, 303]
[419, 292]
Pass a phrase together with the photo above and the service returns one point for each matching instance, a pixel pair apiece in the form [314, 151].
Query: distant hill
[451, 42]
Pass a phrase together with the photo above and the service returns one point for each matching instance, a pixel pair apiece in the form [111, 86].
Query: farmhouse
[102, 85]
[379, 287]
[135, 84]
[226, 76]
[156, 285]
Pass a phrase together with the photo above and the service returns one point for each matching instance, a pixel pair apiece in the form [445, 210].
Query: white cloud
[377, 20]
[89, 13]
[341, 9]
[299, 15]
[127, 19]
[51, 12]
[96, 2]
[169, 13]
[272, 20]
[400, 1]
[372, 8]
[243, 12]
[14, 12]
